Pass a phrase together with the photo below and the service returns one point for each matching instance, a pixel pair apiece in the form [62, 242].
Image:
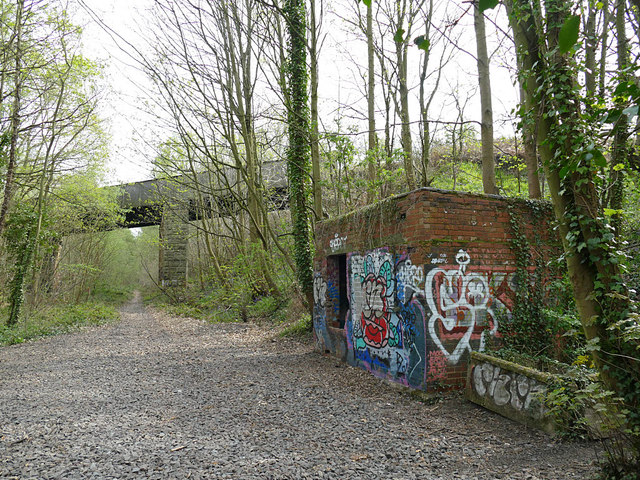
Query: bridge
[173, 203]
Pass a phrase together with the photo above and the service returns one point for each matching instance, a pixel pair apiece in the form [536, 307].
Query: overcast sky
[134, 135]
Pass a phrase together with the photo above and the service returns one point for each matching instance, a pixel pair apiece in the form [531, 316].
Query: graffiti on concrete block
[463, 306]
[507, 388]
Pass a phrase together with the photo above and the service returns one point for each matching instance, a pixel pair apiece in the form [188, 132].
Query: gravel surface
[163, 397]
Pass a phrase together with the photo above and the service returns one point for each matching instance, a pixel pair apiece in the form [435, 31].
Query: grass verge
[58, 319]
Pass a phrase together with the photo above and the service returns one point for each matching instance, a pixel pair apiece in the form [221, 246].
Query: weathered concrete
[173, 247]
[513, 391]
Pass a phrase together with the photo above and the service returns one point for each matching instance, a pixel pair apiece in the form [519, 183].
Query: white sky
[132, 130]
[127, 122]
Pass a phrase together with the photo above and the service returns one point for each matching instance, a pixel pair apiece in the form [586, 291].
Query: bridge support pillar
[173, 235]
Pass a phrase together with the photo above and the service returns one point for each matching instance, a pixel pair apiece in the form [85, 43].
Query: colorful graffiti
[375, 315]
[410, 322]
[382, 329]
[463, 307]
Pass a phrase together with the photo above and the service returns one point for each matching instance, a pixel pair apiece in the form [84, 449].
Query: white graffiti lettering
[507, 388]
[337, 242]
[460, 301]
[410, 275]
[319, 291]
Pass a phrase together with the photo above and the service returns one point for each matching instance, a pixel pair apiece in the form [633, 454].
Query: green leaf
[399, 36]
[422, 42]
[599, 159]
[487, 4]
[631, 111]
[611, 211]
[613, 116]
[367, 2]
[624, 89]
[569, 32]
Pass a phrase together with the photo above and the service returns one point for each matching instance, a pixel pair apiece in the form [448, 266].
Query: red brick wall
[426, 274]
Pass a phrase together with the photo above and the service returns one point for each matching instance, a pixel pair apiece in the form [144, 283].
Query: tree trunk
[486, 125]
[620, 152]
[590, 45]
[315, 146]
[601, 297]
[15, 120]
[529, 130]
[405, 119]
[372, 155]
[298, 155]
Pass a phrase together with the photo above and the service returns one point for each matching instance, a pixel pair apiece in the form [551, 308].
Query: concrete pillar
[174, 231]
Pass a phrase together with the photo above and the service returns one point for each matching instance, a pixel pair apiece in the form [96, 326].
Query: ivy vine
[299, 150]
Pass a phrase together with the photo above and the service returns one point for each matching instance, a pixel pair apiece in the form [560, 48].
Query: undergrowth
[242, 294]
[300, 328]
[56, 320]
[214, 307]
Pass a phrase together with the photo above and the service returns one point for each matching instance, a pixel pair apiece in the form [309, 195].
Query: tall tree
[572, 165]
[314, 27]
[298, 151]
[486, 124]
[372, 138]
[405, 12]
[15, 114]
[620, 151]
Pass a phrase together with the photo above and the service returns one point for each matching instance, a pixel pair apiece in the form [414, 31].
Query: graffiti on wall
[319, 312]
[385, 321]
[337, 242]
[507, 388]
[410, 322]
[463, 306]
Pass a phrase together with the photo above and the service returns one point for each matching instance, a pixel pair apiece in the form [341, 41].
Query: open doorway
[338, 293]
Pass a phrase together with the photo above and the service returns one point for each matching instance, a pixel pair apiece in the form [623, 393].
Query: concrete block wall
[421, 280]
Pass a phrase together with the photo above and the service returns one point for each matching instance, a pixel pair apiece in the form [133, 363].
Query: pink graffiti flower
[375, 316]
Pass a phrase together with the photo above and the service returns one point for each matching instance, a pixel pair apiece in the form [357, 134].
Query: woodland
[240, 86]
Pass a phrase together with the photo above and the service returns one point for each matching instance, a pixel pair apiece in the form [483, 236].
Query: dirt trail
[163, 397]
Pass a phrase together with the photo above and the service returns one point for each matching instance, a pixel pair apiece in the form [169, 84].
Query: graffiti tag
[504, 387]
[337, 242]
[460, 305]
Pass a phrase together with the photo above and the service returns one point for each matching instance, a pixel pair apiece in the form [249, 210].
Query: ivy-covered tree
[298, 152]
[547, 35]
[49, 129]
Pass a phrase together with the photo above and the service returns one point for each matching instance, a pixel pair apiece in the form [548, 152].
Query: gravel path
[161, 397]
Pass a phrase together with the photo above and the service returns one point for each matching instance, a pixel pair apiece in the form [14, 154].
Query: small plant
[301, 328]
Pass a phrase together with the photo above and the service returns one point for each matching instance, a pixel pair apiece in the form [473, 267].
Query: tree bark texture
[486, 124]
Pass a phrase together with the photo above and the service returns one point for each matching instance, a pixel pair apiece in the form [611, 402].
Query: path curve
[161, 397]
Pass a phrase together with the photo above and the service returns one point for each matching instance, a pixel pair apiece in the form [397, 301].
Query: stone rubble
[159, 397]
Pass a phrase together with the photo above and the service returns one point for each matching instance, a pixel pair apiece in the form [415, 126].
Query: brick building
[408, 287]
